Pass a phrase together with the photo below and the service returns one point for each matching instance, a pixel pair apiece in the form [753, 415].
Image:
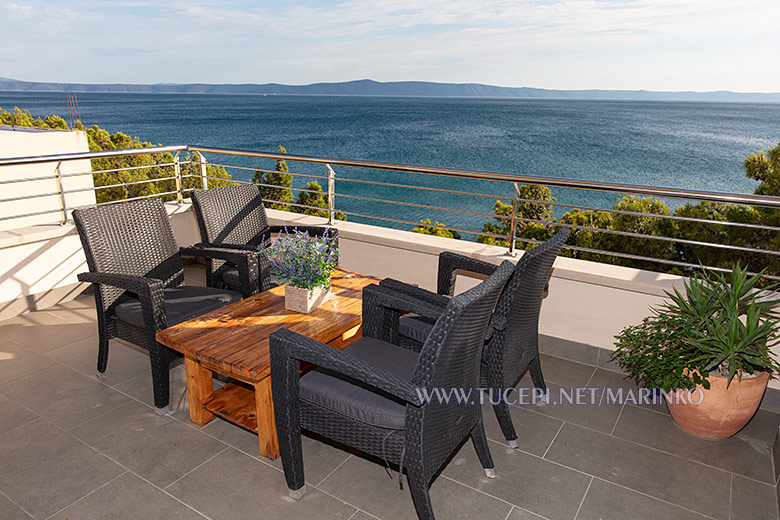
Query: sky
[670, 45]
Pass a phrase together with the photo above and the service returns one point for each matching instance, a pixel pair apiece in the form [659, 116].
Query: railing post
[177, 176]
[61, 191]
[513, 223]
[331, 196]
[204, 180]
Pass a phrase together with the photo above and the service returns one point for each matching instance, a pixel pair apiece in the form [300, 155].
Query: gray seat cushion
[415, 327]
[230, 277]
[362, 402]
[181, 304]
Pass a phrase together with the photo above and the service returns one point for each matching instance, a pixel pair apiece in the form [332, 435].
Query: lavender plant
[302, 260]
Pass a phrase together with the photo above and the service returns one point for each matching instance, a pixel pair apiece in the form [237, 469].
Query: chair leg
[284, 387]
[160, 376]
[505, 422]
[421, 495]
[102, 362]
[479, 439]
[536, 374]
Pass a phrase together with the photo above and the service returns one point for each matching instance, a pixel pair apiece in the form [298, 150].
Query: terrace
[76, 446]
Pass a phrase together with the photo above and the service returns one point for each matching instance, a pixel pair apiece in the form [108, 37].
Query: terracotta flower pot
[720, 412]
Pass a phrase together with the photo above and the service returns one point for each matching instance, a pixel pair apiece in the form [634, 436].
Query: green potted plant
[306, 263]
[708, 350]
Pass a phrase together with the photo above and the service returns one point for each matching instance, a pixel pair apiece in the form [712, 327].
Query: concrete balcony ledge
[38, 233]
[614, 276]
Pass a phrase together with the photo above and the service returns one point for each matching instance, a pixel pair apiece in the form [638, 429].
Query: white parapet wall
[588, 303]
[40, 263]
[31, 142]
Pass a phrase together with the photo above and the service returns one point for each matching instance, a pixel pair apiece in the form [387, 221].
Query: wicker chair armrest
[247, 262]
[237, 247]
[376, 298]
[382, 309]
[418, 293]
[450, 262]
[148, 290]
[287, 343]
[134, 284]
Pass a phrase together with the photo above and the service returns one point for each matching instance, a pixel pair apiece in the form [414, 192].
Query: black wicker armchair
[512, 344]
[234, 218]
[137, 274]
[371, 395]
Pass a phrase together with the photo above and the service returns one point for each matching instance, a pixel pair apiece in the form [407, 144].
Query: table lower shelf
[234, 402]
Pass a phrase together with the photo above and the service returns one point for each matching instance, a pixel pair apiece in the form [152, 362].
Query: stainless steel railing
[329, 177]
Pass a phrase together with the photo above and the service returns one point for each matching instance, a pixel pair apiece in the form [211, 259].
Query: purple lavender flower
[302, 260]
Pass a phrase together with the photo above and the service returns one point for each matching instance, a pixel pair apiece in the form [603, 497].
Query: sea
[692, 145]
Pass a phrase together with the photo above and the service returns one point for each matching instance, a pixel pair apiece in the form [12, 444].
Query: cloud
[18, 10]
[563, 44]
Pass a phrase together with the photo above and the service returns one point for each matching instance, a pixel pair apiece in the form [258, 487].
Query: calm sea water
[686, 145]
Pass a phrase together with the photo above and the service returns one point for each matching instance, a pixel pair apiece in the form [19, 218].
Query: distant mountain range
[367, 87]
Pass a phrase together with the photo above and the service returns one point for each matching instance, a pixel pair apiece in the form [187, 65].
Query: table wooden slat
[234, 339]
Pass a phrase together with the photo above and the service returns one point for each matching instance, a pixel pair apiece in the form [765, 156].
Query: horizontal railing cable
[424, 188]
[424, 206]
[734, 198]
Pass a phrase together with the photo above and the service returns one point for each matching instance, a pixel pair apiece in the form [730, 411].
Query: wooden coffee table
[233, 341]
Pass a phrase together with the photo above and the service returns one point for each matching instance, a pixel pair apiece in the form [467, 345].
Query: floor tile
[777, 488]
[46, 469]
[234, 436]
[771, 400]
[522, 514]
[365, 484]
[128, 497]
[360, 515]
[763, 426]
[80, 312]
[776, 457]
[158, 448]
[538, 485]
[564, 348]
[643, 469]
[11, 511]
[43, 331]
[320, 459]
[124, 361]
[17, 361]
[625, 390]
[235, 486]
[752, 501]
[606, 501]
[564, 372]
[140, 387]
[534, 431]
[12, 415]
[85, 301]
[63, 396]
[742, 455]
[581, 405]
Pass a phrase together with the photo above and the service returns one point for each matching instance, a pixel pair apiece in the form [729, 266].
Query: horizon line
[394, 82]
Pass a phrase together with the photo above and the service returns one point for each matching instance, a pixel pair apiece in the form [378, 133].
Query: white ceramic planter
[304, 300]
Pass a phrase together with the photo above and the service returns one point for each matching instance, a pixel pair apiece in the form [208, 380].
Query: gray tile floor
[76, 447]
